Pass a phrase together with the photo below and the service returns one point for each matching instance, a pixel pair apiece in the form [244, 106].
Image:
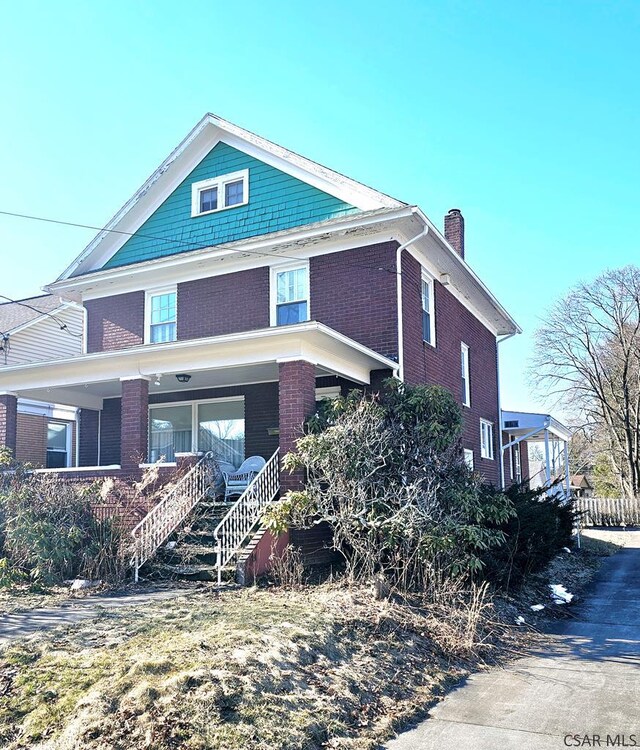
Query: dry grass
[307, 668]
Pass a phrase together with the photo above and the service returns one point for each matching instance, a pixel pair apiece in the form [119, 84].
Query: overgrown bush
[387, 473]
[48, 532]
[539, 528]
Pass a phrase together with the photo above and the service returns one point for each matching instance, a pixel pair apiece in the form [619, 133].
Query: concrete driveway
[582, 690]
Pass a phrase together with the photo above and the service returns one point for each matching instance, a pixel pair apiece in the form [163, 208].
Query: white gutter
[502, 448]
[423, 233]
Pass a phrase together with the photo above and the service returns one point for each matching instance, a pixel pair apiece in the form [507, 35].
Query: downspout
[500, 446]
[423, 233]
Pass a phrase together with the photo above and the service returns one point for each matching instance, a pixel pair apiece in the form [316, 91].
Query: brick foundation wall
[425, 364]
[115, 322]
[351, 295]
[224, 304]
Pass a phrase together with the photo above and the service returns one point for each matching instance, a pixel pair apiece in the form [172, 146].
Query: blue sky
[524, 115]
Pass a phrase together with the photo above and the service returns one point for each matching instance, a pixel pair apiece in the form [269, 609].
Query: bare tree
[588, 354]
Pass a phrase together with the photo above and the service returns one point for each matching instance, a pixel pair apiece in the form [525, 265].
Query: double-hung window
[464, 366]
[517, 463]
[219, 193]
[428, 310]
[58, 445]
[290, 295]
[486, 439]
[161, 316]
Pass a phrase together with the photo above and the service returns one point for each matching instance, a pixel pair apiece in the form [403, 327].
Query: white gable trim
[210, 131]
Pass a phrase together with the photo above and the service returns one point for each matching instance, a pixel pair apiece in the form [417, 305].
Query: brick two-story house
[241, 283]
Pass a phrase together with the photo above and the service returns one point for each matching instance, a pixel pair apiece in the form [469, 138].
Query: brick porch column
[8, 421]
[297, 399]
[134, 422]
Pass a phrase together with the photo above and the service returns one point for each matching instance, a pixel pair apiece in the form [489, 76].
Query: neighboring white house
[37, 329]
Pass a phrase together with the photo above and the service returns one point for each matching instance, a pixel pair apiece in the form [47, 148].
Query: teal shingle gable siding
[277, 201]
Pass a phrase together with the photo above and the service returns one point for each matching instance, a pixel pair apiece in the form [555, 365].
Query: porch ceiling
[235, 359]
[520, 423]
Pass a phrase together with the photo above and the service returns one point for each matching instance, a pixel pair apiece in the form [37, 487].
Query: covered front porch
[236, 395]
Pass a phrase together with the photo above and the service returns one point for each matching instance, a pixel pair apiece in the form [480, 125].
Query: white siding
[44, 340]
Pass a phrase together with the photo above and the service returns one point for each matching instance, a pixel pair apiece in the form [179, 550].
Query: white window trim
[219, 182]
[468, 458]
[147, 309]
[194, 415]
[464, 351]
[273, 288]
[489, 454]
[68, 440]
[427, 278]
[328, 392]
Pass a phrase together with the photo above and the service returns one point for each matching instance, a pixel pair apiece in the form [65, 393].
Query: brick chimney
[454, 230]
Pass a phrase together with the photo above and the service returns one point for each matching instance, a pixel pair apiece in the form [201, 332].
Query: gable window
[464, 366]
[290, 295]
[428, 310]
[219, 193]
[486, 439]
[161, 316]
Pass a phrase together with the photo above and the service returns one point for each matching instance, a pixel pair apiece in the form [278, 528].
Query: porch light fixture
[183, 377]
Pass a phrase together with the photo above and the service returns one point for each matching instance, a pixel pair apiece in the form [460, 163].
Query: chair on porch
[238, 481]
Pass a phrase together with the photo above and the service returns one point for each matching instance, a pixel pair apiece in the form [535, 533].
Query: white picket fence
[609, 511]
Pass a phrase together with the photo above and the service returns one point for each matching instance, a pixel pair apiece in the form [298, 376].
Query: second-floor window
[161, 316]
[428, 310]
[486, 439]
[464, 366]
[291, 293]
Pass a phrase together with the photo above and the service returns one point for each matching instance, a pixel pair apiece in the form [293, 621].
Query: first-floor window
[58, 445]
[291, 295]
[162, 317]
[468, 458]
[216, 426]
[486, 439]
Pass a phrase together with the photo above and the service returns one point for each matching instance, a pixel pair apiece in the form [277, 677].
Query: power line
[191, 245]
[63, 326]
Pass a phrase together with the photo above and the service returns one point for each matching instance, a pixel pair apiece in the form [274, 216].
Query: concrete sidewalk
[30, 622]
[585, 682]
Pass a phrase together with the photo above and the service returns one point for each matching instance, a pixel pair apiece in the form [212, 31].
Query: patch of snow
[559, 594]
[170, 545]
[537, 607]
[84, 583]
[520, 620]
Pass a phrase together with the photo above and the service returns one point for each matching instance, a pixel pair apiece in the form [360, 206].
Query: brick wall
[224, 304]
[110, 432]
[115, 322]
[424, 364]
[88, 448]
[350, 294]
[297, 401]
[31, 444]
[8, 421]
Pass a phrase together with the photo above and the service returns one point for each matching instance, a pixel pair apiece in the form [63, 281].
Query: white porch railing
[165, 517]
[235, 528]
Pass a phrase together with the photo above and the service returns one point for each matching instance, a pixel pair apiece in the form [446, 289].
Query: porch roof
[216, 361]
[520, 423]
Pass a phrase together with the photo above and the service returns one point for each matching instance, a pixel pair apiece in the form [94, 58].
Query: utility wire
[190, 245]
[63, 326]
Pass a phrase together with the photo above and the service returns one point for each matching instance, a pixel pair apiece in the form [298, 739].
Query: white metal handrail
[234, 529]
[165, 517]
